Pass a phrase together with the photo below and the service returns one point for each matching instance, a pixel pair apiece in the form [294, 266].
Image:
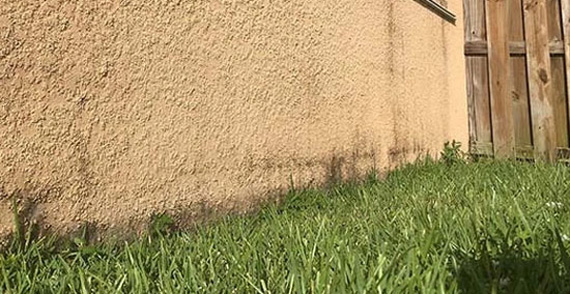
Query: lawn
[430, 227]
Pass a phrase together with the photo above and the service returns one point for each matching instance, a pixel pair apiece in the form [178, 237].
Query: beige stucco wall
[112, 110]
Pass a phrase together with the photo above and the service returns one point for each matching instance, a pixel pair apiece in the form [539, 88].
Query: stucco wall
[111, 110]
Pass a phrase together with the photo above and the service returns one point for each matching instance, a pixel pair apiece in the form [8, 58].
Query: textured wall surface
[113, 110]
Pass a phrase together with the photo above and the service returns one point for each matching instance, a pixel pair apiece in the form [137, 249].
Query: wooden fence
[518, 76]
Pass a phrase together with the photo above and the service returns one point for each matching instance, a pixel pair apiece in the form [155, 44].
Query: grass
[431, 227]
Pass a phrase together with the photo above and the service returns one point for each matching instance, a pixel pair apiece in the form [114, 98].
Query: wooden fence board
[479, 94]
[518, 86]
[565, 21]
[558, 98]
[478, 77]
[520, 102]
[501, 108]
[558, 87]
[540, 78]
[475, 28]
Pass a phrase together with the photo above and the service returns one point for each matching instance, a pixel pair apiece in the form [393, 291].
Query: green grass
[484, 227]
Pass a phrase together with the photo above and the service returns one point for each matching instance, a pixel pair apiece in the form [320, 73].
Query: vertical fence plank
[477, 75]
[558, 98]
[565, 7]
[540, 78]
[481, 98]
[472, 111]
[558, 88]
[519, 82]
[478, 98]
[501, 108]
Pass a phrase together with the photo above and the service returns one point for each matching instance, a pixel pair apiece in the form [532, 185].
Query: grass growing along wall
[430, 227]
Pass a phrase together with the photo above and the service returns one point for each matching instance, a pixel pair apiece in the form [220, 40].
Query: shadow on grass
[546, 271]
[511, 275]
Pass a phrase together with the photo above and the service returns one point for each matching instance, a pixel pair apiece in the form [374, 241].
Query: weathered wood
[477, 75]
[553, 20]
[565, 14]
[524, 152]
[501, 108]
[481, 148]
[471, 110]
[520, 101]
[558, 88]
[486, 149]
[475, 29]
[563, 154]
[472, 48]
[540, 78]
[558, 100]
[538, 72]
[518, 78]
[478, 96]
